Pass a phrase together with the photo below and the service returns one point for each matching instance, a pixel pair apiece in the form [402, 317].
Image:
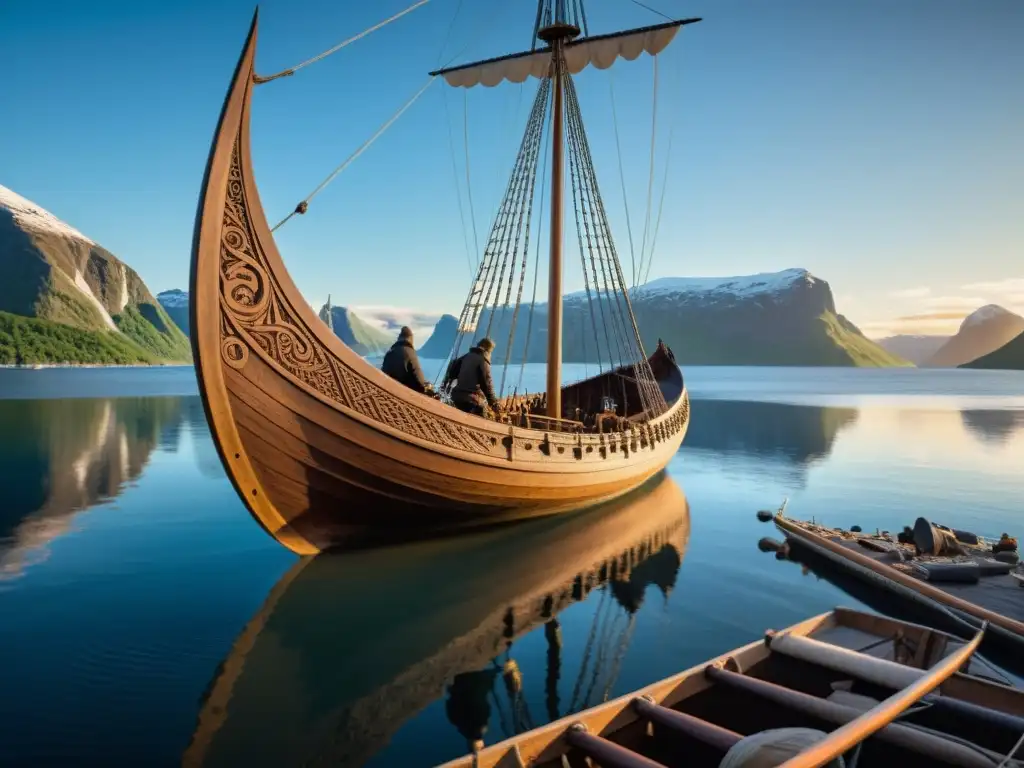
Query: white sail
[599, 51]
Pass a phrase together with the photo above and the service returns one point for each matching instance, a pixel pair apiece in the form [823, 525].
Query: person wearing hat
[402, 363]
[474, 389]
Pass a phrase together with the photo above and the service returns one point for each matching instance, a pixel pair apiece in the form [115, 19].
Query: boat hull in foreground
[304, 425]
[851, 671]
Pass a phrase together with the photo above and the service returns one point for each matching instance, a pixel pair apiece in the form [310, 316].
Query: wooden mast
[556, 35]
[554, 380]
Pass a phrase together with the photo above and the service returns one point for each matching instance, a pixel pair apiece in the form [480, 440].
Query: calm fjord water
[145, 619]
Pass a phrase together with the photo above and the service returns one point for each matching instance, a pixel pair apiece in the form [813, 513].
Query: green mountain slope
[57, 276]
[785, 318]
[1009, 357]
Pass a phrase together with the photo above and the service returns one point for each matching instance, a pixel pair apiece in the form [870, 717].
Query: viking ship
[304, 425]
[350, 646]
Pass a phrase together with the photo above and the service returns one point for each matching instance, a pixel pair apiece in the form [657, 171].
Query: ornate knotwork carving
[256, 311]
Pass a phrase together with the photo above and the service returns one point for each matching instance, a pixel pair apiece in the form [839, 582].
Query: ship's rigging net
[598, 322]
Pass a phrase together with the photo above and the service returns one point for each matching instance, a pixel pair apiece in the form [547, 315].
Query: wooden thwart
[607, 734]
[854, 733]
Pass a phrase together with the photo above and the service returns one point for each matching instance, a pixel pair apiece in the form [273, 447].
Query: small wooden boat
[871, 679]
[349, 646]
[973, 587]
[301, 422]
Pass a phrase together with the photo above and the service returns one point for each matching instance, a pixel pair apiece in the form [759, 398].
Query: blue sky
[879, 144]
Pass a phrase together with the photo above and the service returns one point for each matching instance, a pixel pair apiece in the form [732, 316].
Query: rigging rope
[303, 206]
[495, 299]
[652, 10]
[661, 206]
[448, 34]
[650, 178]
[650, 393]
[674, 77]
[292, 70]
[470, 256]
[469, 188]
[622, 179]
[536, 258]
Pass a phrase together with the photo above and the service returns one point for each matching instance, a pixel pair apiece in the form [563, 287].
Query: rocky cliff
[359, 335]
[1009, 357]
[442, 339]
[982, 332]
[781, 318]
[175, 304]
[64, 298]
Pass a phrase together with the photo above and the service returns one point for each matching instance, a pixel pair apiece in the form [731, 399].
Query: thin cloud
[963, 304]
[931, 316]
[911, 293]
[391, 319]
[932, 324]
[1014, 285]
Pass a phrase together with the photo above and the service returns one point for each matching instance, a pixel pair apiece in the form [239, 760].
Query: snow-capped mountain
[175, 297]
[175, 303]
[774, 318]
[712, 288]
[983, 331]
[50, 271]
[31, 218]
[984, 315]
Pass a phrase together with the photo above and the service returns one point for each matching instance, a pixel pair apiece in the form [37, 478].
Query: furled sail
[599, 51]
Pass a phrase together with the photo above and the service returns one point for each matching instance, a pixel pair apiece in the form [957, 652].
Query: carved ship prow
[320, 444]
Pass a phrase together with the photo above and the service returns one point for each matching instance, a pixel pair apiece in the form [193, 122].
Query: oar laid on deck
[876, 718]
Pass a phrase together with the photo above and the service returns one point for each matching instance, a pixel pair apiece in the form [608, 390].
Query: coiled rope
[292, 70]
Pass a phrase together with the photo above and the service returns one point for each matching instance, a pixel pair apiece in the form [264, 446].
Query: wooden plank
[876, 718]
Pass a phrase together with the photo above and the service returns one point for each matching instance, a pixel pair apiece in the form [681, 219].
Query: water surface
[146, 619]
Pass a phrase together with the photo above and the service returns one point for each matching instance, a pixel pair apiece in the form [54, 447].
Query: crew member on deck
[402, 363]
[474, 388]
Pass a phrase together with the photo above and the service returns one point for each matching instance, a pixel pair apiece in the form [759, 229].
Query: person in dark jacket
[402, 363]
[474, 389]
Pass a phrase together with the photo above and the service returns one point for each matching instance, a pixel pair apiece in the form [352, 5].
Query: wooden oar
[876, 718]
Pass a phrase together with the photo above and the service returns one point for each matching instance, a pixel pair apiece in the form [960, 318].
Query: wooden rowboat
[851, 671]
[349, 646]
[317, 441]
[883, 564]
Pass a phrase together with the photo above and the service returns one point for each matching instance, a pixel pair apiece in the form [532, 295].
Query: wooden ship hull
[349, 646]
[832, 685]
[997, 598]
[319, 443]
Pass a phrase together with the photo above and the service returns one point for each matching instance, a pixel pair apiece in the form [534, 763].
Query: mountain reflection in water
[329, 668]
[991, 425]
[60, 457]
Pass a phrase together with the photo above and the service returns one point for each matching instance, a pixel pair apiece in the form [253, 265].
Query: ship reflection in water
[330, 668]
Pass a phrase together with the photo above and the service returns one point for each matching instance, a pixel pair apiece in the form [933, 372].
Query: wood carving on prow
[256, 309]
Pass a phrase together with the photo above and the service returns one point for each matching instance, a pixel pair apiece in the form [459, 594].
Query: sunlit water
[146, 619]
